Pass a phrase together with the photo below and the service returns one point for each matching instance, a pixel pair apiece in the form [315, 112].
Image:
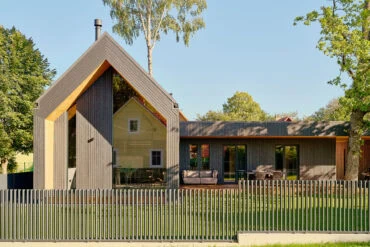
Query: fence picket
[185, 214]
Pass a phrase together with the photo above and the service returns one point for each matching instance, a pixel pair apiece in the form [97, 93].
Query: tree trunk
[354, 145]
[150, 65]
[4, 166]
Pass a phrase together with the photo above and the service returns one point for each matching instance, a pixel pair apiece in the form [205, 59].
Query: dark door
[287, 160]
[234, 159]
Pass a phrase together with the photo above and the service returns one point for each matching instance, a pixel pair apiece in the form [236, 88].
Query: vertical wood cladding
[39, 152]
[340, 158]
[316, 156]
[216, 159]
[173, 152]
[94, 135]
[365, 158]
[61, 151]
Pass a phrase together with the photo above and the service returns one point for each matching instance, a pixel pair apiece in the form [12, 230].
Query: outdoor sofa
[199, 177]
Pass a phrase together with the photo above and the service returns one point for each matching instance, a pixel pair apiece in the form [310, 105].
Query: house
[106, 121]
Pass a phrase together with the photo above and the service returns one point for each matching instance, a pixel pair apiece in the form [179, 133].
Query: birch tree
[153, 18]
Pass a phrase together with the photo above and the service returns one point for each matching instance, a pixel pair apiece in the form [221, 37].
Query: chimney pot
[98, 25]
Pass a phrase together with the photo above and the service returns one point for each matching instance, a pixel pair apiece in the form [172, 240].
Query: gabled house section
[137, 131]
[301, 150]
[84, 91]
[139, 145]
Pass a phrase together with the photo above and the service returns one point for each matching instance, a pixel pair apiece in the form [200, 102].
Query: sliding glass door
[287, 160]
[235, 162]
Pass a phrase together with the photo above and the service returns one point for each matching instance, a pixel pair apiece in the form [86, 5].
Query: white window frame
[129, 125]
[150, 158]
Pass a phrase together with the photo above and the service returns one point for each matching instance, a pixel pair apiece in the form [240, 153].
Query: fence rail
[185, 214]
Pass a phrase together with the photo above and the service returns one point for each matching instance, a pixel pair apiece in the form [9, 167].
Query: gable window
[155, 158]
[133, 125]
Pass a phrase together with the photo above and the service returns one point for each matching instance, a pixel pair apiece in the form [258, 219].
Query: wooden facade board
[341, 152]
[61, 151]
[39, 151]
[49, 154]
[364, 165]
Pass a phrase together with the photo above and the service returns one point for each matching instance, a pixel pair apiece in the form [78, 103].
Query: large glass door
[229, 164]
[235, 162]
[287, 159]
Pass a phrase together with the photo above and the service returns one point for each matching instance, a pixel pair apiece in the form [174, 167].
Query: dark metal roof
[247, 129]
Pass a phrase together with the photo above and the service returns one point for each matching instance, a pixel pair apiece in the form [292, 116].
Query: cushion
[191, 174]
[206, 174]
[215, 173]
[184, 173]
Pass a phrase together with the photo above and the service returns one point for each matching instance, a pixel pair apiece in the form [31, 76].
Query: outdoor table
[253, 173]
[239, 174]
[366, 175]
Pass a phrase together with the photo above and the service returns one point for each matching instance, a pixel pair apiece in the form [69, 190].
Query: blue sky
[247, 46]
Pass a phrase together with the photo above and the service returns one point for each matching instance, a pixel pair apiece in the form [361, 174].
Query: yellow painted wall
[133, 149]
[24, 162]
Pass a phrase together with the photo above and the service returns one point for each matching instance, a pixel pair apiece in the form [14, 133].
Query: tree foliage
[345, 36]
[154, 18]
[24, 73]
[239, 107]
[213, 116]
[333, 111]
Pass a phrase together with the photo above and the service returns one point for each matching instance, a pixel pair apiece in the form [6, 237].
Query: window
[114, 158]
[156, 158]
[133, 125]
[205, 157]
[72, 142]
[193, 151]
